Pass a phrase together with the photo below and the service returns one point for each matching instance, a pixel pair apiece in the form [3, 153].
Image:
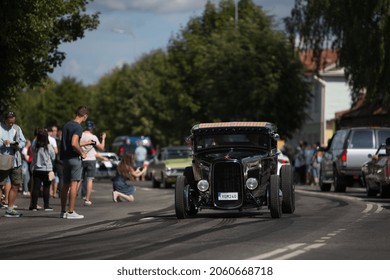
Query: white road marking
[300, 252]
[277, 251]
[368, 208]
[379, 209]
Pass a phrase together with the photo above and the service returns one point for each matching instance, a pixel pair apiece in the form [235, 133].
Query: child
[125, 171]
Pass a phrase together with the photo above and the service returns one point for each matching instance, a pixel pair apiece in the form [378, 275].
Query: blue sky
[130, 28]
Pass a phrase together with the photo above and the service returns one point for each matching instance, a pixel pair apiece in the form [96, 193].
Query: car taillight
[283, 161]
[121, 150]
[344, 156]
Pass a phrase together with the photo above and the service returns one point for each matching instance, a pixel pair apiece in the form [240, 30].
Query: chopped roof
[231, 124]
[203, 126]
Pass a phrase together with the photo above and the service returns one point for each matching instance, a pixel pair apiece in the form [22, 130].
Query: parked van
[347, 151]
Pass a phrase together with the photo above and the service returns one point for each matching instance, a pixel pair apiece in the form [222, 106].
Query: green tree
[243, 71]
[358, 30]
[30, 33]
[50, 104]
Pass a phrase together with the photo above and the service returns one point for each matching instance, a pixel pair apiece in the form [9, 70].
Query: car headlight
[251, 183]
[203, 185]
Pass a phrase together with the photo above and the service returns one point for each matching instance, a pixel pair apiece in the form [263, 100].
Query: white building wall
[337, 98]
[333, 97]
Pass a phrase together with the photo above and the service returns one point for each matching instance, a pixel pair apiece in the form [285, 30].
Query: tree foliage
[358, 30]
[238, 71]
[214, 69]
[30, 34]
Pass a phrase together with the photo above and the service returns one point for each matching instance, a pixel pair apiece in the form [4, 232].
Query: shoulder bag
[6, 161]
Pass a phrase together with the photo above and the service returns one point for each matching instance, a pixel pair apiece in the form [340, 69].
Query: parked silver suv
[347, 151]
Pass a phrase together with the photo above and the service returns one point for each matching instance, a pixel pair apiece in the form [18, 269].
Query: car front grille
[227, 178]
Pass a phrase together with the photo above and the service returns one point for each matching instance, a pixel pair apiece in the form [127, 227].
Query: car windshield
[232, 140]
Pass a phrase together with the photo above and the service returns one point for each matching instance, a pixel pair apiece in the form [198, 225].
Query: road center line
[277, 251]
[301, 251]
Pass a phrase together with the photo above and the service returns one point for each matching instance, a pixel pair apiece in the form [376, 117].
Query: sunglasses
[10, 114]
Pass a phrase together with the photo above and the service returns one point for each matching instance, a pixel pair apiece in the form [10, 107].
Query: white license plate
[227, 196]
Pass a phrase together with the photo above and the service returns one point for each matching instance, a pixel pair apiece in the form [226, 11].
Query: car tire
[183, 200]
[165, 184]
[156, 184]
[324, 187]
[275, 203]
[370, 192]
[385, 192]
[288, 190]
[339, 182]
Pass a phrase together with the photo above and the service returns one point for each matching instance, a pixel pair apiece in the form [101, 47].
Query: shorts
[89, 169]
[14, 175]
[73, 170]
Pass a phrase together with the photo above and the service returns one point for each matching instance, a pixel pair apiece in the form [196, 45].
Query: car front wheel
[275, 203]
[183, 205]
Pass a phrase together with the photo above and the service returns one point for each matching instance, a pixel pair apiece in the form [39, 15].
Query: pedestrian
[299, 165]
[89, 163]
[140, 157]
[57, 183]
[125, 171]
[316, 165]
[12, 141]
[71, 155]
[27, 156]
[42, 167]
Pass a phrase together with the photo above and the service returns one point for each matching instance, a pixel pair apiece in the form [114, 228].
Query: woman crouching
[124, 172]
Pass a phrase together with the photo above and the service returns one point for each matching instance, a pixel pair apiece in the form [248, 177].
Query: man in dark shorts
[12, 141]
[72, 155]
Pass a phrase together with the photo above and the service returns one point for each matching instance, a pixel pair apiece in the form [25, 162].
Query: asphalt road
[325, 226]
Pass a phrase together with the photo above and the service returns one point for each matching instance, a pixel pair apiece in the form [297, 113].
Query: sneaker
[74, 216]
[48, 209]
[115, 196]
[39, 207]
[12, 213]
[26, 194]
[87, 203]
[32, 209]
[63, 215]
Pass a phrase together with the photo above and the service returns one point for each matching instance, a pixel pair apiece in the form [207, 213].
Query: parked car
[164, 168]
[106, 168]
[376, 173]
[127, 143]
[348, 150]
[234, 167]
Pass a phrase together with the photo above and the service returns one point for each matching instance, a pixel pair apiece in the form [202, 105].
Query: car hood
[178, 162]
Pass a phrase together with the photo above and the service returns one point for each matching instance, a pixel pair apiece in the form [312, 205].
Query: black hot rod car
[234, 167]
